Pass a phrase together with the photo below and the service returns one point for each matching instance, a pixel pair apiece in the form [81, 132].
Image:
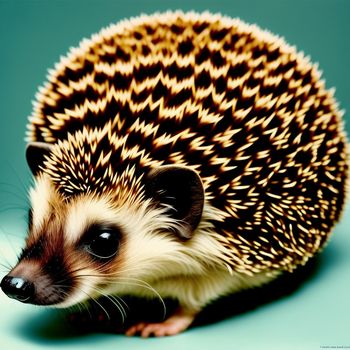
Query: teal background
[33, 34]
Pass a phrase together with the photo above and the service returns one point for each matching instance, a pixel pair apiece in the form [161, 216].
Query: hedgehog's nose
[17, 288]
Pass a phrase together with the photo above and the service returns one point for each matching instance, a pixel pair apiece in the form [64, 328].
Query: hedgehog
[178, 155]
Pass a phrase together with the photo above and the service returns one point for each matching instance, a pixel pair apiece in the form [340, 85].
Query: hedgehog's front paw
[175, 324]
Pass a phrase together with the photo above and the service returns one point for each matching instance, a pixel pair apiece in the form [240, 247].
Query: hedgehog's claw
[175, 324]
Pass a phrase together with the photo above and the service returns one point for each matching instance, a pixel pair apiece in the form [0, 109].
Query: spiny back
[226, 99]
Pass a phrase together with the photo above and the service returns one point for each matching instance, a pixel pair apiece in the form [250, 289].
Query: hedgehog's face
[69, 247]
[88, 245]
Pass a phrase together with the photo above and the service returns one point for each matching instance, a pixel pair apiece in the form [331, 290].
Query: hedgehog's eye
[104, 244]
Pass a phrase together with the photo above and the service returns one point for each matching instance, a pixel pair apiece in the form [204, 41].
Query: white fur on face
[84, 211]
[42, 198]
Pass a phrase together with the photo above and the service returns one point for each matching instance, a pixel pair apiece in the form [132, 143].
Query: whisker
[90, 297]
[114, 278]
[134, 282]
[99, 304]
[60, 284]
[81, 306]
[14, 251]
[6, 265]
[122, 301]
[114, 302]
[13, 208]
[22, 184]
[144, 284]
[15, 195]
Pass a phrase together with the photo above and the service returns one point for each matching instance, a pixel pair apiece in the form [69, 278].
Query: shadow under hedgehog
[177, 155]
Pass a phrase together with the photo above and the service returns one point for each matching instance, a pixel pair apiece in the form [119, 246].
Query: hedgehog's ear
[180, 189]
[35, 154]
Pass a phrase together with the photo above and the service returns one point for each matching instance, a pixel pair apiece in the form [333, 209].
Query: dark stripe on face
[49, 272]
[33, 251]
[30, 218]
[58, 272]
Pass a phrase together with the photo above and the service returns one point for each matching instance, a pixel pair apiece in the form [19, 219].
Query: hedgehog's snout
[28, 283]
[18, 288]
